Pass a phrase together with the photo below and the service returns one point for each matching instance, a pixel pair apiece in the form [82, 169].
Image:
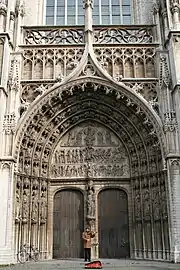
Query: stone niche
[90, 150]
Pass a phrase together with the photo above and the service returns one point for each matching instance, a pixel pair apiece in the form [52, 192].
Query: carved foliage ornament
[121, 35]
[55, 36]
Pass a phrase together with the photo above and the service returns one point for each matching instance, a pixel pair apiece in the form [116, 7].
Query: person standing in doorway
[87, 235]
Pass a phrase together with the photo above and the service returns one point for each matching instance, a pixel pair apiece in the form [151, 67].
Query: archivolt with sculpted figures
[84, 129]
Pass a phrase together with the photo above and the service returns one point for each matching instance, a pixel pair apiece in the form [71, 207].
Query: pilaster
[6, 211]
[173, 166]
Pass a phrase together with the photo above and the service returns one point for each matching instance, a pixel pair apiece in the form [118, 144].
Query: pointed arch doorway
[113, 224]
[68, 224]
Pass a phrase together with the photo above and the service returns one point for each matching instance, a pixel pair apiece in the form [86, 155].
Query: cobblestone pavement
[107, 265]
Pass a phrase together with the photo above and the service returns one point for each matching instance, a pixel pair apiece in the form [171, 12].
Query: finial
[88, 3]
[88, 6]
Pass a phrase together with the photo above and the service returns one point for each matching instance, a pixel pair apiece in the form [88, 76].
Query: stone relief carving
[170, 121]
[34, 200]
[147, 90]
[123, 35]
[14, 76]
[90, 147]
[53, 36]
[57, 116]
[9, 123]
[30, 91]
[164, 76]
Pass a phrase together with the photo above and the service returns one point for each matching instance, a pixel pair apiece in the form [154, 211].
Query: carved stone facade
[90, 108]
[90, 150]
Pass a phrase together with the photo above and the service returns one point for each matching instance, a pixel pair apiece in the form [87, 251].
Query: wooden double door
[68, 224]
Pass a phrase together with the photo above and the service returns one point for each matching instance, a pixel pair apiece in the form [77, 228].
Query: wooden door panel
[113, 224]
[68, 224]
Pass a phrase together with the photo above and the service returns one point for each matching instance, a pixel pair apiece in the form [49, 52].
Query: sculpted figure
[25, 205]
[17, 211]
[43, 210]
[90, 200]
[34, 213]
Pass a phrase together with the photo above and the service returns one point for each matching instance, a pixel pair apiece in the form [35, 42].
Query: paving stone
[107, 265]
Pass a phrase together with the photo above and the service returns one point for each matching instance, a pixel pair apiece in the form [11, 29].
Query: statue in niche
[34, 213]
[27, 167]
[25, 205]
[36, 169]
[156, 208]
[147, 212]
[138, 206]
[18, 204]
[43, 209]
[90, 200]
[29, 150]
